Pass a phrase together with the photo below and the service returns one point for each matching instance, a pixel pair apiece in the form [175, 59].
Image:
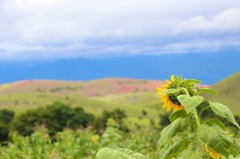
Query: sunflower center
[173, 98]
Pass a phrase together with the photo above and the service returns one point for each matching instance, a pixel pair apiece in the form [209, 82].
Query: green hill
[131, 95]
[228, 92]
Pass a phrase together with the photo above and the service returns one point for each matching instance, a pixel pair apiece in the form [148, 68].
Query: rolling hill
[228, 92]
[132, 95]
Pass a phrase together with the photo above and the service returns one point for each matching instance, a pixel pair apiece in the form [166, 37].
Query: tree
[6, 117]
[117, 115]
[54, 117]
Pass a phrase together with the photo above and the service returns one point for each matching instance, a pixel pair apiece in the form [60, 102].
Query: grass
[23, 101]
[104, 94]
[4, 86]
[228, 92]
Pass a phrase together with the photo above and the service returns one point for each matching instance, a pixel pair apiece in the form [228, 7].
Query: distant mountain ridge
[210, 68]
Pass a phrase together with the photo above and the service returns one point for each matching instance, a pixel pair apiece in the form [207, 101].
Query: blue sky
[56, 29]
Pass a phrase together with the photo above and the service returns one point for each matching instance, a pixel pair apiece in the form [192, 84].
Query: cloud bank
[50, 29]
[227, 21]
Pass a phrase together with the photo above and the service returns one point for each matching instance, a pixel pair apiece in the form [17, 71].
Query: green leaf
[190, 103]
[178, 80]
[179, 125]
[235, 148]
[193, 154]
[189, 83]
[192, 81]
[215, 138]
[177, 114]
[194, 125]
[223, 111]
[207, 90]
[176, 149]
[169, 91]
[216, 121]
[119, 153]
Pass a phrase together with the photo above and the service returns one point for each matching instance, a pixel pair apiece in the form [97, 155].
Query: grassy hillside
[95, 88]
[132, 95]
[228, 92]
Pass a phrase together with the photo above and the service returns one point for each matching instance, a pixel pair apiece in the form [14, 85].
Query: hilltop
[228, 92]
[131, 95]
[94, 88]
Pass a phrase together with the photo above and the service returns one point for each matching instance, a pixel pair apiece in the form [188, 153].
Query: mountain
[208, 67]
[228, 92]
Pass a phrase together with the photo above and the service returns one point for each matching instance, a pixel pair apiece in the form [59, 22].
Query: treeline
[55, 118]
[58, 116]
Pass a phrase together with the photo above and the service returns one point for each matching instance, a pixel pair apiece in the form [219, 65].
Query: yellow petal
[169, 107]
[172, 77]
[162, 100]
[165, 97]
[212, 153]
[175, 107]
[168, 82]
[178, 107]
[159, 88]
[165, 105]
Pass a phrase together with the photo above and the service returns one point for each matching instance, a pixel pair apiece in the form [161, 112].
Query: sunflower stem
[196, 117]
[200, 114]
[194, 111]
[186, 91]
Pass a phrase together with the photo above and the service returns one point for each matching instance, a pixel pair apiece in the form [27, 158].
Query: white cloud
[33, 29]
[200, 46]
[227, 21]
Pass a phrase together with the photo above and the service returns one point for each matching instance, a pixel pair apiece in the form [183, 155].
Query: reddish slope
[99, 87]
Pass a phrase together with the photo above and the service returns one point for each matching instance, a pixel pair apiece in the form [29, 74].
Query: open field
[131, 95]
[136, 97]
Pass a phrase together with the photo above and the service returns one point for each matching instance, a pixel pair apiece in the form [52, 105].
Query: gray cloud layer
[89, 28]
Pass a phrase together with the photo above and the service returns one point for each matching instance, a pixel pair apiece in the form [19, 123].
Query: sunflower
[212, 153]
[170, 100]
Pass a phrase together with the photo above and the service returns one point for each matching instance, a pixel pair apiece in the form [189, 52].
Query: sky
[58, 29]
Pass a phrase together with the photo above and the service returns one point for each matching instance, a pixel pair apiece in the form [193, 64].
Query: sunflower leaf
[179, 125]
[190, 103]
[119, 153]
[188, 154]
[214, 137]
[176, 149]
[168, 91]
[207, 90]
[235, 148]
[177, 114]
[178, 80]
[217, 122]
[192, 81]
[223, 111]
